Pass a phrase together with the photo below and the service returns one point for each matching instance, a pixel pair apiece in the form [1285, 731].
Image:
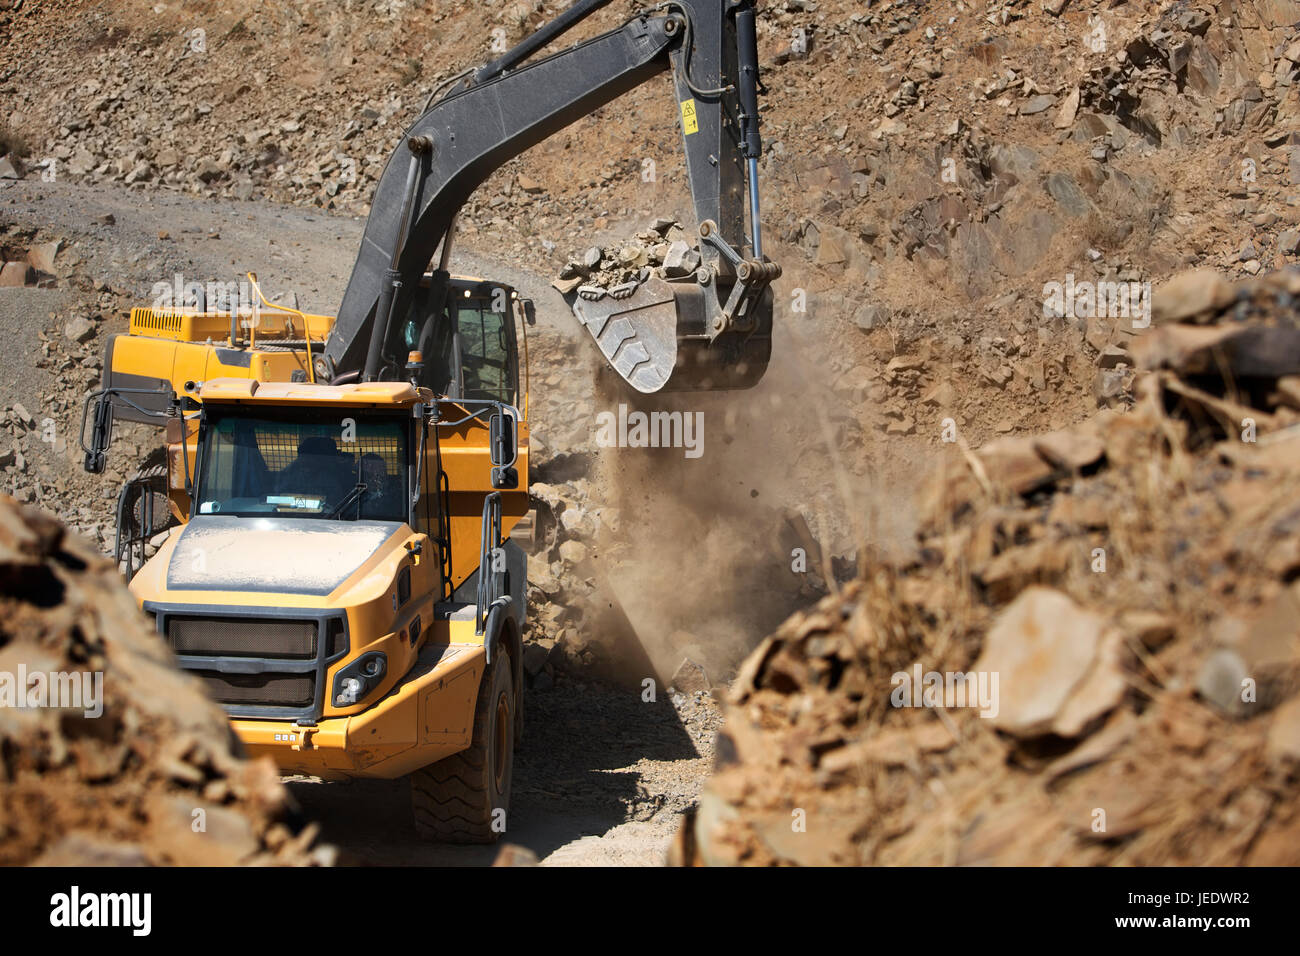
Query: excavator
[343, 577]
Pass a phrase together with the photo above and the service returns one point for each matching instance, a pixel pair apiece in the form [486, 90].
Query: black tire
[464, 798]
[519, 718]
[154, 474]
[150, 481]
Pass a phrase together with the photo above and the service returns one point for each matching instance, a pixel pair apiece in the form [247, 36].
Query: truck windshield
[305, 465]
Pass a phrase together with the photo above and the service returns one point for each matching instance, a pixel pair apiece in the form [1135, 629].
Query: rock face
[1089, 643]
[928, 210]
[1090, 106]
[141, 768]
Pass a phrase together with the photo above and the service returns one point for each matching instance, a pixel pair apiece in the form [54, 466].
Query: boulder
[1057, 663]
[1190, 294]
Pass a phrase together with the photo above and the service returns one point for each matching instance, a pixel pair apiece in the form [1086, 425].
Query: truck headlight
[359, 678]
[350, 693]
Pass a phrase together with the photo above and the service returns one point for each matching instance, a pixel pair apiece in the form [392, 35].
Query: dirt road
[600, 779]
[154, 235]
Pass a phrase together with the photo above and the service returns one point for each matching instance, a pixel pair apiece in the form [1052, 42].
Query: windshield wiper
[357, 491]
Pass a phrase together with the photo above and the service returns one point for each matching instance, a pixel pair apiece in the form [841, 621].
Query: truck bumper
[428, 716]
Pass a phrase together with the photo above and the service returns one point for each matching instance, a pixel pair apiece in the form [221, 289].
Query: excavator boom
[708, 330]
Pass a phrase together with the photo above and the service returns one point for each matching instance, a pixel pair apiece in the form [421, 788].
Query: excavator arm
[711, 329]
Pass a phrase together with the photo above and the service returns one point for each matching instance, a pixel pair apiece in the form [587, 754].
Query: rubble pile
[1091, 656]
[112, 756]
[661, 250]
[561, 584]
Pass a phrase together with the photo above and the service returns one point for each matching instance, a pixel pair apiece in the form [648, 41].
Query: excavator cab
[470, 343]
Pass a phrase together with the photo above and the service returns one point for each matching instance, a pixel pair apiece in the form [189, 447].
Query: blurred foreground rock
[144, 772]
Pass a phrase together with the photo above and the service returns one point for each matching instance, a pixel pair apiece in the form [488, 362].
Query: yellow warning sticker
[690, 122]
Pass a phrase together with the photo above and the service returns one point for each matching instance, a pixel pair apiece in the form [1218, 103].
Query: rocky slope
[928, 166]
[1121, 595]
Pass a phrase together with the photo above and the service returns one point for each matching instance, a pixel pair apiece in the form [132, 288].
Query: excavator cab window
[471, 352]
[486, 350]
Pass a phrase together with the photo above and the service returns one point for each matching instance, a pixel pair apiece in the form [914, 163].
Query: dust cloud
[710, 553]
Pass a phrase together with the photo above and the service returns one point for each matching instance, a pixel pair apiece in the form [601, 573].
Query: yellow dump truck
[306, 590]
[324, 582]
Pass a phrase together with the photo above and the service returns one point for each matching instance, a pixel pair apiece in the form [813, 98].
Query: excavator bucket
[657, 338]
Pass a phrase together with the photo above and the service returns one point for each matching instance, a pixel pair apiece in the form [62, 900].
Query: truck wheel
[464, 798]
[152, 476]
[148, 486]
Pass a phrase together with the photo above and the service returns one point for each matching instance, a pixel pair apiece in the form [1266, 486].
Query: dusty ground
[600, 779]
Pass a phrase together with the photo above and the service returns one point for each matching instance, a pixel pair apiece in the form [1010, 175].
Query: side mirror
[101, 432]
[503, 447]
[530, 312]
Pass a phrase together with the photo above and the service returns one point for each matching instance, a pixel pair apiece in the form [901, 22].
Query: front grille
[267, 664]
[337, 639]
[241, 637]
[274, 690]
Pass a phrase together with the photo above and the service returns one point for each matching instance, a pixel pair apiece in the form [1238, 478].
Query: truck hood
[281, 555]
